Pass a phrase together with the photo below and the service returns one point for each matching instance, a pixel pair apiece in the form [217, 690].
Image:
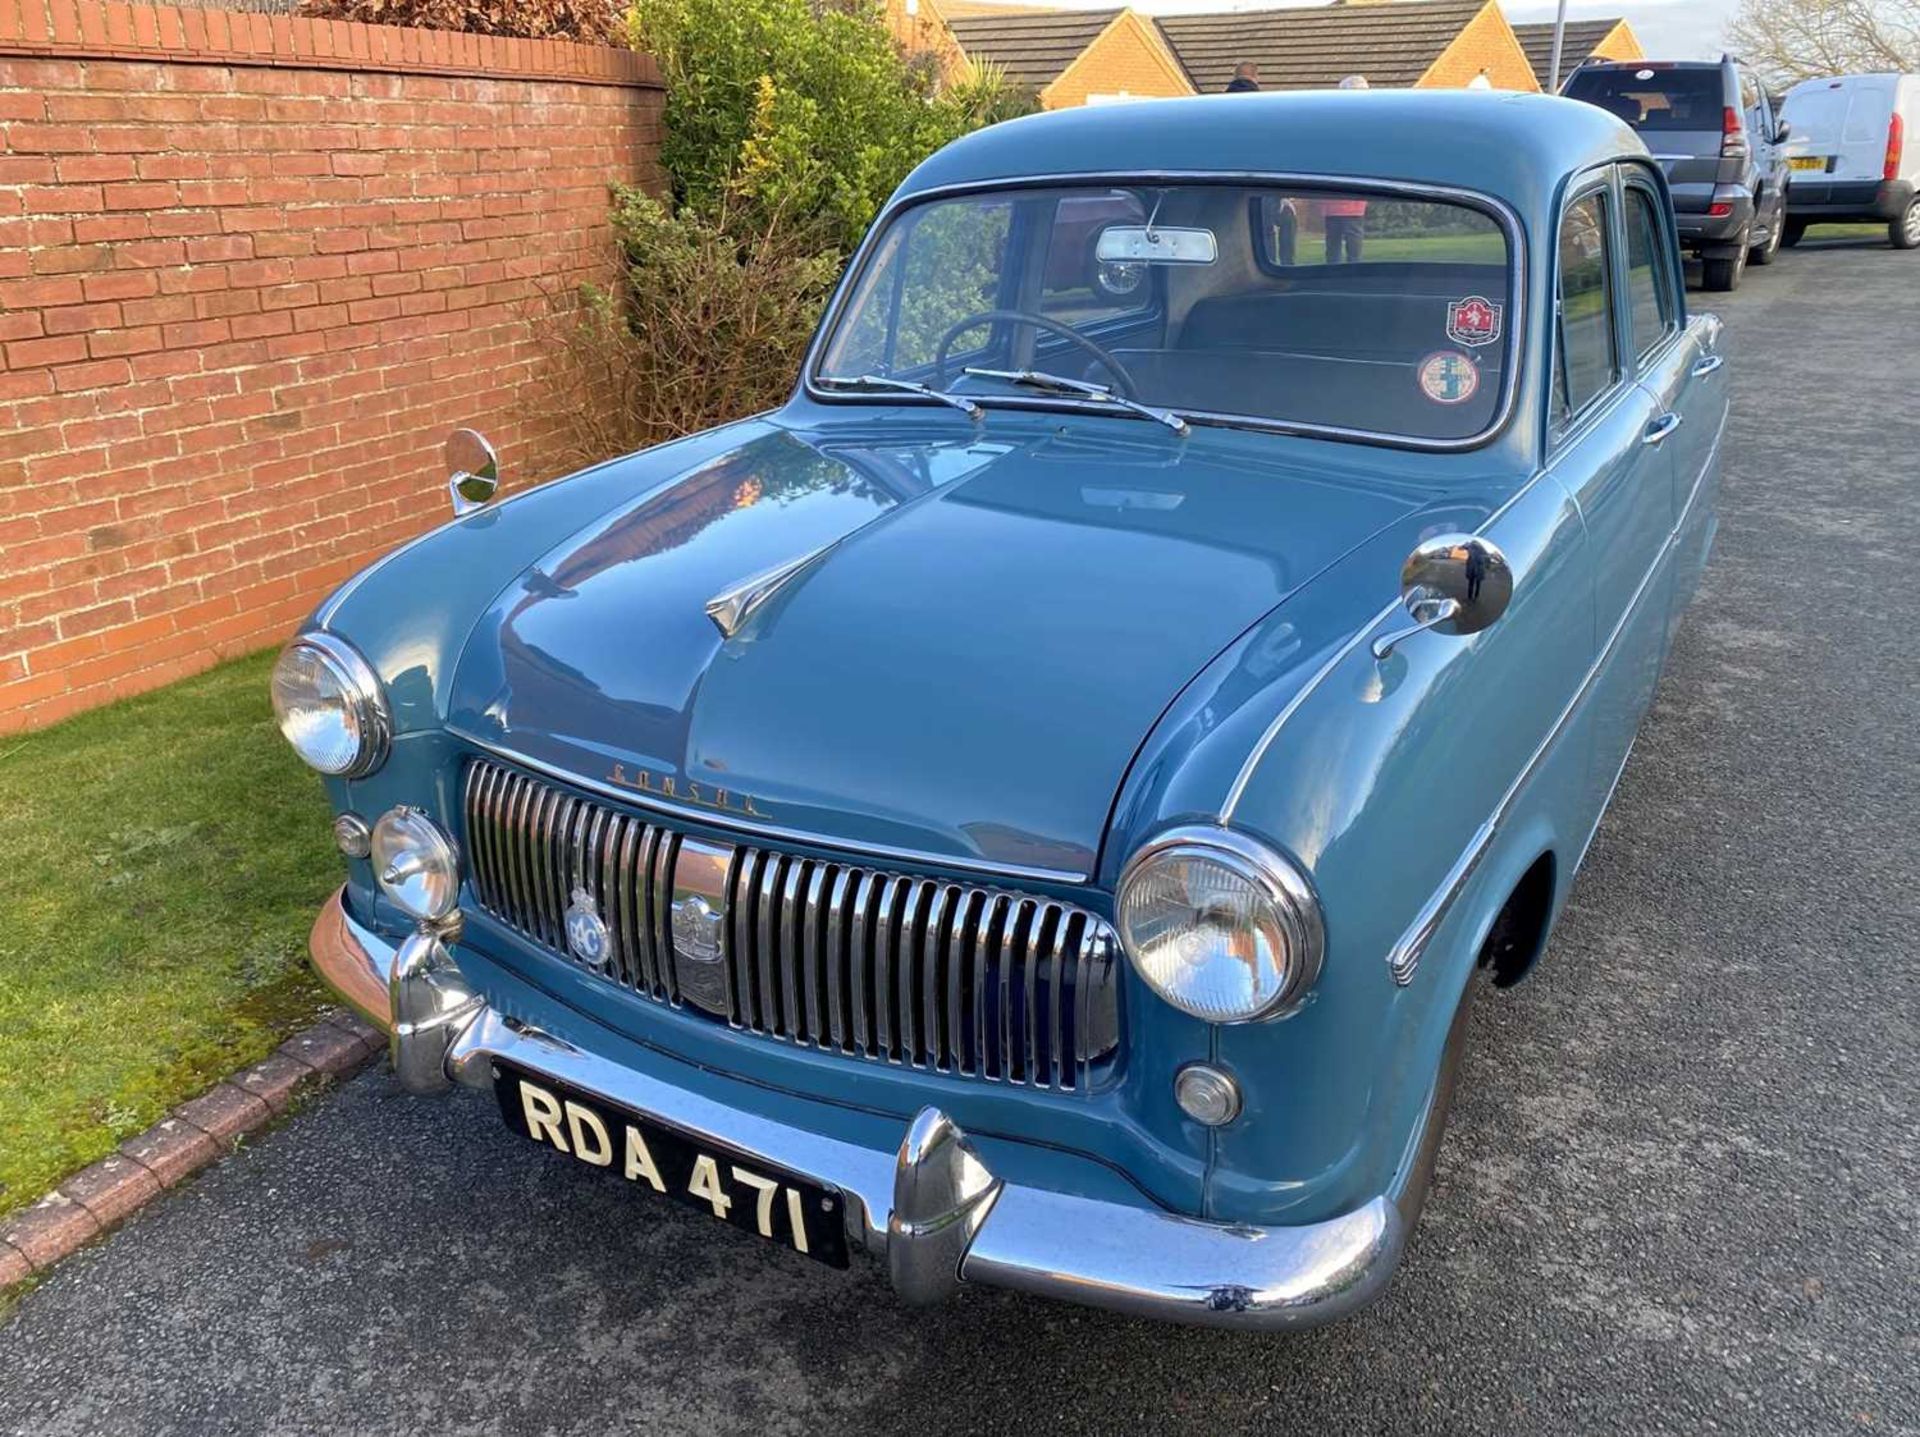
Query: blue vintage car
[1034, 807]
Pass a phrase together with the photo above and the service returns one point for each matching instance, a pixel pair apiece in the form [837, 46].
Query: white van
[1854, 152]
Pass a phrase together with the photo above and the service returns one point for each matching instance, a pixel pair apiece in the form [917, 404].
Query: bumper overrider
[932, 1210]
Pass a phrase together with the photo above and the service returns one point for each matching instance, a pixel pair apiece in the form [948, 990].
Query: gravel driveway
[1678, 1193]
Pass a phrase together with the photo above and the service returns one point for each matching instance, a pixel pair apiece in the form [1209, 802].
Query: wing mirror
[475, 470]
[1456, 583]
[1783, 134]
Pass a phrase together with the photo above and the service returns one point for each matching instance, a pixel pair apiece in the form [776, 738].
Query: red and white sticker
[1449, 377]
[1473, 321]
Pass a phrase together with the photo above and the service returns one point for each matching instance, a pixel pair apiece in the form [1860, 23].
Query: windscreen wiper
[1084, 389]
[904, 386]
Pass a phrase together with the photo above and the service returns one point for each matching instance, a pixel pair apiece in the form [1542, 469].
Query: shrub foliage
[787, 125]
[593, 22]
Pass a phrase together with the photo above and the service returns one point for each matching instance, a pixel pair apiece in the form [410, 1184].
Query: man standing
[1246, 78]
[1346, 219]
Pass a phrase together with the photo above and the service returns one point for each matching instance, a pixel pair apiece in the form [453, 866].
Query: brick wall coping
[90, 30]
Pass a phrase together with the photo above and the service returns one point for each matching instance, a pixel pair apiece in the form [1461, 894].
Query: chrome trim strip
[1140, 1260]
[1498, 208]
[1404, 957]
[729, 822]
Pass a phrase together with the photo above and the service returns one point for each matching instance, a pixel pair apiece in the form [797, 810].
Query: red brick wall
[252, 269]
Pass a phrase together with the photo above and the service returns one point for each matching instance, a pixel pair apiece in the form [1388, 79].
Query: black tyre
[1723, 275]
[1904, 232]
[1796, 230]
[1765, 252]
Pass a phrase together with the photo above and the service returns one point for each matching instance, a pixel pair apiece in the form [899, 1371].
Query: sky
[1668, 29]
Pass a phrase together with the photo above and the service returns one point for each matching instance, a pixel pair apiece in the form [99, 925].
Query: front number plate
[735, 1187]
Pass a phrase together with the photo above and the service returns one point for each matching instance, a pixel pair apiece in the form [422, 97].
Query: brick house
[1419, 44]
[1604, 39]
[1073, 57]
[1077, 57]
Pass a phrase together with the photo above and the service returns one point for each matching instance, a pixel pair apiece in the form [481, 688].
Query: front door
[1609, 451]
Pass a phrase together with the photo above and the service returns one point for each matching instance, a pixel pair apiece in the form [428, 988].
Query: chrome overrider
[933, 1212]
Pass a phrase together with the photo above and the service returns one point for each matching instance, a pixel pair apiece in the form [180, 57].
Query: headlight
[330, 706]
[415, 864]
[1218, 925]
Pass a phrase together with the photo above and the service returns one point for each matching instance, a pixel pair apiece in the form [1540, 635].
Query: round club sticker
[1449, 377]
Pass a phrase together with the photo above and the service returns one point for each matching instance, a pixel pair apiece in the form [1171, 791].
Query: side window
[1584, 330]
[1078, 286]
[1650, 302]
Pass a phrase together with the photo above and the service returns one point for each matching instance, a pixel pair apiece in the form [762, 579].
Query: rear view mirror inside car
[1151, 244]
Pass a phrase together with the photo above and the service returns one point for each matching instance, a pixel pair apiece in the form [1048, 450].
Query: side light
[1207, 1095]
[1219, 925]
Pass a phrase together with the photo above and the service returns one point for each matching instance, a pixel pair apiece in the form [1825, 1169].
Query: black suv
[1715, 132]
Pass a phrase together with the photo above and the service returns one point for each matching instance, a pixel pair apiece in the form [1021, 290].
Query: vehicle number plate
[735, 1187]
[1808, 162]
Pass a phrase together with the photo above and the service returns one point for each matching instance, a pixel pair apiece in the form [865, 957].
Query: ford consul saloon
[1033, 808]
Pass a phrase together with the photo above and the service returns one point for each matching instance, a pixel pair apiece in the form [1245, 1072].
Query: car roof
[1514, 147]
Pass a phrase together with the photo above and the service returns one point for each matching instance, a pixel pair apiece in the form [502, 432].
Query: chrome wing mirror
[1456, 583]
[475, 470]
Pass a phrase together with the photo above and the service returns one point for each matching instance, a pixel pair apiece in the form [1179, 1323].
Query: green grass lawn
[160, 864]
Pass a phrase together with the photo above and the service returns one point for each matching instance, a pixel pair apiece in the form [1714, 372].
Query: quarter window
[1584, 330]
[1649, 291]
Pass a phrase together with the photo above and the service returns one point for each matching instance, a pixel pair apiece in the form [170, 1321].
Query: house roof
[1392, 45]
[1033, 47]
[1582, 36]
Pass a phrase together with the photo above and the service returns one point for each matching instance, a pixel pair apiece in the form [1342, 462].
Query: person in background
[1346, 219]
[1246, 78]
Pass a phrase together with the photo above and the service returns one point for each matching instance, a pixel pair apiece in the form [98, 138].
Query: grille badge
[587, 931]
[699, 919]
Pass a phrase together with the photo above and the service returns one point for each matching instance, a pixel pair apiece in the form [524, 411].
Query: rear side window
[1654, 99]
[1649, 288]
[1584, 334]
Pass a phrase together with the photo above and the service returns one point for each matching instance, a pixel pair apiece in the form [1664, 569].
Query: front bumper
[932, 1210]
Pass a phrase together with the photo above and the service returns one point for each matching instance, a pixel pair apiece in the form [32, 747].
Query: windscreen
[1655, 99]
[1326, 307]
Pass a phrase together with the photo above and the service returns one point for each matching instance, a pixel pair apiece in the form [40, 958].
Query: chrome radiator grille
[948, 977]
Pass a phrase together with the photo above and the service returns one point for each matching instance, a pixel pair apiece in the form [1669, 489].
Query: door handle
[1706, 364]
[1660, 428]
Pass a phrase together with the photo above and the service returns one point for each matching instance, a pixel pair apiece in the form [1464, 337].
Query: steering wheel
[1122, 381]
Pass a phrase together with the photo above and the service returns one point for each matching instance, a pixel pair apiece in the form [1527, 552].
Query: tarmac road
[1678, 1193]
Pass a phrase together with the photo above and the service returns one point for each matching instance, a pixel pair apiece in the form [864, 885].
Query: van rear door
[1679, 112]
[1862, 150]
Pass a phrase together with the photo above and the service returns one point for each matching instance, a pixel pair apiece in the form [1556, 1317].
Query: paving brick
[276, 1079]
[13, 1265]
[225, 1112]
[112, 1188]
[50, 1229]
[371, 1039]
[326, 1049]
[171, 1150]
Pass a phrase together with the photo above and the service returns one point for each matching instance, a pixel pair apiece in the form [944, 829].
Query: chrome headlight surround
[1282, 924]
[357, 702]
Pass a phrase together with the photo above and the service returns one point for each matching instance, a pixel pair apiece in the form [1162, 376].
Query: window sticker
[1473, 321]
[1449, 377]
